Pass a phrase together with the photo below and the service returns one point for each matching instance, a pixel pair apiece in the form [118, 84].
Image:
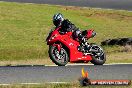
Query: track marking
[4, 84]
[91, 64]
[35, 83]
[74, 64]
[58, 82]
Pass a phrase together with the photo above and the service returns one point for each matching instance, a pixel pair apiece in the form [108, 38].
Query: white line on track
[91, 64]
[74, 64]
[35, 83]
[58, 82]
[4, 84]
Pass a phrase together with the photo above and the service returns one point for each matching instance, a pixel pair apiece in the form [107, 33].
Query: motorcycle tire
[54, 58]
[100, 60]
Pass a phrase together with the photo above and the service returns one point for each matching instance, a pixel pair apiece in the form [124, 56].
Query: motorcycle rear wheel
[60, 58]
[98, 59]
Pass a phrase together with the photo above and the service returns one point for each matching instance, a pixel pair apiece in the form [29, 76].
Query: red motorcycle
[63, 48]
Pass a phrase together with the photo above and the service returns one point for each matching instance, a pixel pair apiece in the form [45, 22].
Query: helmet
[57, 19]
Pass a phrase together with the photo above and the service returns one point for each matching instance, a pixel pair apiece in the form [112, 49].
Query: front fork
[59, 51]
[58, 46]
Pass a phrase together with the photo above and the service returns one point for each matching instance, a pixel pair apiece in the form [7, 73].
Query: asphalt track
[109, 4]
[41, 74]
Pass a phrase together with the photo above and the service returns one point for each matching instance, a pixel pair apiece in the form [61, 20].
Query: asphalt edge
[73, 6]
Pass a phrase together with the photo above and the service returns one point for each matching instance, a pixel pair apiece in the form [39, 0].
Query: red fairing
[72, 45]
[89, 33]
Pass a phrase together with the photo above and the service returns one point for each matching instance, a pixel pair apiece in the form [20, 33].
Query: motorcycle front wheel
[98, 55]
[60, 58]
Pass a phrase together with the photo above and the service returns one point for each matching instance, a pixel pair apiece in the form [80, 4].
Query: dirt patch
[71, 8]
[127, 48]
[114, 16]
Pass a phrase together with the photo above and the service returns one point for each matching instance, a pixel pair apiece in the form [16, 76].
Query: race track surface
[111, 4]
[41, 74]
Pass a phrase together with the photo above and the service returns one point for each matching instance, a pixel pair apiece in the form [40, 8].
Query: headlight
[53, 37]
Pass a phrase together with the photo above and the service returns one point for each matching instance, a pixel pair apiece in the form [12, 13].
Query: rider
[67, 26]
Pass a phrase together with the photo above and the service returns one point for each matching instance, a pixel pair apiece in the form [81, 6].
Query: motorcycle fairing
[74, 54]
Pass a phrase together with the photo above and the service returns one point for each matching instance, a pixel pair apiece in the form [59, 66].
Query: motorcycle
[63, 48]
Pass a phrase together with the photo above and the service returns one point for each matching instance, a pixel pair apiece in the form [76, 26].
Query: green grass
[72, 85]
[24, 27]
